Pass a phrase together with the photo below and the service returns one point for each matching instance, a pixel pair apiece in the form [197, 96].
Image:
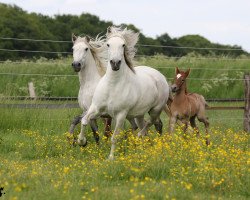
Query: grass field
[37, 162]
[225, 72]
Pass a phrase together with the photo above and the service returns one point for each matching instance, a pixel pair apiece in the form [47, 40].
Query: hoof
[111, 157]
[82, 143]
[207, 142]
[84, 122]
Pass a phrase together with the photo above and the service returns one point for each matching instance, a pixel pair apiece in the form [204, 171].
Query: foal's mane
[97, 50]
[130, 38]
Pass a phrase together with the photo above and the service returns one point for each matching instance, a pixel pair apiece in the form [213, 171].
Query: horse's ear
[177, 71]
[109, 29]
[87, 38]
[74, 37]
[187, 72]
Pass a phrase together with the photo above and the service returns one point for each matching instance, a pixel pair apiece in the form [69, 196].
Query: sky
[220, 21]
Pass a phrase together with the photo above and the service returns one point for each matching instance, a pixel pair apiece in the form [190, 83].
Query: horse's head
[116, 47]
[81, 49]
[121, 47]
[179, 80]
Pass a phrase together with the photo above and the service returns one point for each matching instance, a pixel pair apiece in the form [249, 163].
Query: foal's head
[81, 49]
[180, 80]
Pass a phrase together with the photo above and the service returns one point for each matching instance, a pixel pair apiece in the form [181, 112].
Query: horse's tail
[168, 104]
[204, 101]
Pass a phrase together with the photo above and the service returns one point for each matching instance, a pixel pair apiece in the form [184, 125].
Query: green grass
[37, 162]
[217, 69]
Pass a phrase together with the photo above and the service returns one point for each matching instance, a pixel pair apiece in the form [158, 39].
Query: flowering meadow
[42, 166]
[38, 162]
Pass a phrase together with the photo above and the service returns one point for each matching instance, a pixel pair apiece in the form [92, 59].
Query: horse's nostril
[72, 64]
[79, 64]
[119, 62]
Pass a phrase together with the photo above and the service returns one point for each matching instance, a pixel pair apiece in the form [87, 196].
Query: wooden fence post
[32, 90]
[247, 103]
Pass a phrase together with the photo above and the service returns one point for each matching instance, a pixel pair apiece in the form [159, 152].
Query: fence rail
[75, 105]
[222, 100]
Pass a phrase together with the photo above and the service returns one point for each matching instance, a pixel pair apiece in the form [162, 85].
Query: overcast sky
[222, 21]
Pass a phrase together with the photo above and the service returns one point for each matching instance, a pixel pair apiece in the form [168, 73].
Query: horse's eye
[86, 49]
[182, 80]
[108, 45]
[123, 45]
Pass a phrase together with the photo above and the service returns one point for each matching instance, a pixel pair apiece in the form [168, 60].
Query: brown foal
[187, 106]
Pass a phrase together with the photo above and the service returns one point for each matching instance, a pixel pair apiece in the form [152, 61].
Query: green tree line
[17, 23]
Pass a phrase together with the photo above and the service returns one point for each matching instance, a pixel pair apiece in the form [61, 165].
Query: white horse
[89, 64]
[124, 91]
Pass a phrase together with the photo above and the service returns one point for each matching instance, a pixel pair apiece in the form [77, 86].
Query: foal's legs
[204, 120]
[193, 124]
[172, 122]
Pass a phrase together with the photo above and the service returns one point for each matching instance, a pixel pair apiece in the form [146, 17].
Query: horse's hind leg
[193, 124]
[107, 130]
[154, 116]
[133, 124]
[204, 120]
[158, 125]
[94, 127]
[141, 124]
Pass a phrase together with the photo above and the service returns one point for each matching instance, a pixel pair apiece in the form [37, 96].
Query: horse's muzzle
[76, 66]
[115, 65]
[174, 88]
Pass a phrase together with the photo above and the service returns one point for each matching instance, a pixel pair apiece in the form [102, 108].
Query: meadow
[37, 161]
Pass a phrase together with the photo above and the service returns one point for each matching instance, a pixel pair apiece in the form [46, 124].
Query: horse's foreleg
[94, 127]
[107, 130]
[74, 122]
[82, 141]
[119, 122]
[91, 114]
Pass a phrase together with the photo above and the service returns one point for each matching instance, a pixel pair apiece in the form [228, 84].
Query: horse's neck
[182, 95]
[123, 75]
[89, 73]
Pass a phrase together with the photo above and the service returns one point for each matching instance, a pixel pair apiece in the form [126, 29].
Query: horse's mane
[130, 38]
[98, 52]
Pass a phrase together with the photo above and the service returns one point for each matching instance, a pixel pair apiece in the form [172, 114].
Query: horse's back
[159, 80]
[198, 100]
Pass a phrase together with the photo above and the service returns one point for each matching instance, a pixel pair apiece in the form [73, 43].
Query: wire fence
[68, 75]
[142, 45]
